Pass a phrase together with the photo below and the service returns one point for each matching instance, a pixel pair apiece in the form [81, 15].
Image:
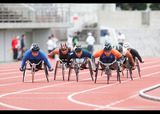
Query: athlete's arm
[96, 55]
[45, 59]
[136, 54]
[56, 51]
[87, 53]
[25, 58]
[69, 57]
[128, 54]
[116, 53]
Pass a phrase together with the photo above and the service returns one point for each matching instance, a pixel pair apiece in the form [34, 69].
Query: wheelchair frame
[108, 70]
[76, 67]
[63, 69]
[138, 67]
[33, 66]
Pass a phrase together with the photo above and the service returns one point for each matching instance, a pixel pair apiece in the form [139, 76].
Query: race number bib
[79, 60]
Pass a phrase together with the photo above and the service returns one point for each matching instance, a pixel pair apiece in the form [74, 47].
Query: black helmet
[34, 47]
[119, 48]
[78, 48]
[107, 47]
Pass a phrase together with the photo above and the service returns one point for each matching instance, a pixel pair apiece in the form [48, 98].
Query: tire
[138, 67]
[55, 70]
[70, 69]
[90, 69]
[108, 74]
[24, 72]
[46, 71]
[118, 73]
[77, 73]
[63, 72]
[130, 71]
[33, 72]
[96, 72]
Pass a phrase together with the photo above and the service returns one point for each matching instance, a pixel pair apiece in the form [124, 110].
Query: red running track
[72, 95]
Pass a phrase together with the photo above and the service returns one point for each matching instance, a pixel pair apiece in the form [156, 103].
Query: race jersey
[41, 56]
[107, 59]
[124, 51]
[72, 54]
[62, 56]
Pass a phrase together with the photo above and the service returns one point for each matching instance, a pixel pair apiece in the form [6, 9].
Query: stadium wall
[142, 33]
[32, 35]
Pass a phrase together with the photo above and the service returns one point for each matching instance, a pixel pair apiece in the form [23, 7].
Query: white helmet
[127, 45]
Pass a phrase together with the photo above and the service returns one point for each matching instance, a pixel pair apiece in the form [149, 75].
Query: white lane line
[19, 108]
[40, 79]
[27, 75]
[56, 76]
[43, 87]
[106, 106]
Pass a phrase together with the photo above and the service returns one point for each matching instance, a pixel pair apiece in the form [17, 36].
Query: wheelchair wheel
[63, 68]
[108, 73]
[118, 73]
[129, 68]
[96, 72]
[55, 70]
[90, 69]
[77, 72]
[24, 72]
[33, 72]
[70, 69]
[46, 71]
[130, 71]
[138, 67]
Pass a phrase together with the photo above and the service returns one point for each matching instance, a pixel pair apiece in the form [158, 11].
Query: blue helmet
[35, 47]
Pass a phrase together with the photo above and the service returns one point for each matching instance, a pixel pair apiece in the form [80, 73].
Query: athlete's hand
[142, 61]
[133, 67]
[21, 69]
[94, 69]
[51, 69]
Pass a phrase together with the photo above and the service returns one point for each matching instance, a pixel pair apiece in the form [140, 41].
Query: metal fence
[20, 13]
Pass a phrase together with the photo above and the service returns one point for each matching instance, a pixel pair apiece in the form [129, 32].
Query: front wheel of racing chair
[138, 67]
[107, 70]
[118, 71]
[90, 69]
[63, 69]
[25, 71]
[76, 67]
[96, 72]
[70, 69]
[129, 68]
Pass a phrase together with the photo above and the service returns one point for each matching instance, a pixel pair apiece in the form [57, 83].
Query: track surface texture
[82, 95]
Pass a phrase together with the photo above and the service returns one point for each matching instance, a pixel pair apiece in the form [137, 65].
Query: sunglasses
[63, 49]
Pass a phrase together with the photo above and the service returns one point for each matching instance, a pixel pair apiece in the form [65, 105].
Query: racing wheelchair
[129, 68]
[60, 64]
[108, 69]
[33, 69]
[76, 64]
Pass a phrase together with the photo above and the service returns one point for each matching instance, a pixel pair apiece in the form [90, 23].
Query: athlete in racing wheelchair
[79, 59]
[107, 61]
[36, 58]
[62, 52]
